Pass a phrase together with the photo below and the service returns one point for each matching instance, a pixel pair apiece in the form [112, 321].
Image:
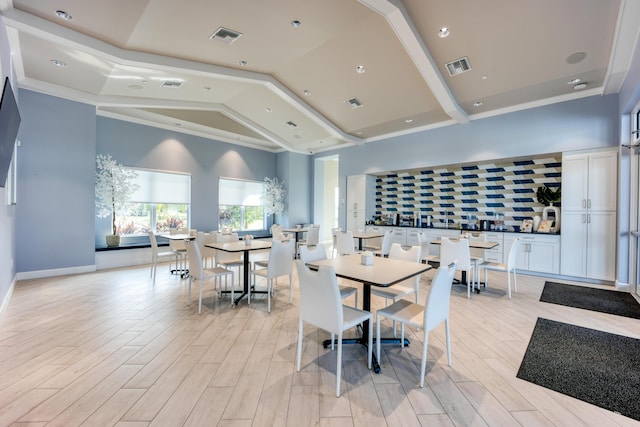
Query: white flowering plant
[273, 196]
[115, 185]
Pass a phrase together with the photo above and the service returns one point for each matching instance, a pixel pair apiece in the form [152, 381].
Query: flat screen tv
[9, 125]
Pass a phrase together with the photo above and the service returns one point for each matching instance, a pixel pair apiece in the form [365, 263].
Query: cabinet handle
[355, 214]
[355, 206]
[589, 203]
[584, 203]
[588, 218]
[584, 218]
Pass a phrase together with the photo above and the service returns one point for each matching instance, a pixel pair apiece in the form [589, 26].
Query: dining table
[182, 270]
[383, 272]
[476, 244]
[246, 247]
[364, 235]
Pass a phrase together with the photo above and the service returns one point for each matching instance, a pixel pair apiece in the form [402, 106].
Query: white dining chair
[509, 267]
[207, 253]
[201, 274]
[345, 243]
[280, 264]
[310, 254]
[156, 255]
[459, 252]
[321, 306]
[312, 237]
[425, 317]
[385, 246]
[408, 287]
[228, 259]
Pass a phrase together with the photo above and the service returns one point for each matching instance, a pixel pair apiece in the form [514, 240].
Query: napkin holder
[366, 258]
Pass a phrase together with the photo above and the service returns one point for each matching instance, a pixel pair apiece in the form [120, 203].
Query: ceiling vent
[291, 124]
[171, 83]
[353, 103]
[225, 35]
[458, 66]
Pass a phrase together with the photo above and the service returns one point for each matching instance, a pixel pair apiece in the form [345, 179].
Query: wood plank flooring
[112, 349]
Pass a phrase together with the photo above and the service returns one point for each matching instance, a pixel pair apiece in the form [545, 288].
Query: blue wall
[206, 160]
[56, 170]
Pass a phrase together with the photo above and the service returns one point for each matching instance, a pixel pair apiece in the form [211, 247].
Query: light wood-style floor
[110, 348]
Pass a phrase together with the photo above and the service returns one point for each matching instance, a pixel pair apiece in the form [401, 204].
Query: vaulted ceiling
[311, 75]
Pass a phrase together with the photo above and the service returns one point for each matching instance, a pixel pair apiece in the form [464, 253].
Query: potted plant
[547, 196]
[273, 196]
[115, 185]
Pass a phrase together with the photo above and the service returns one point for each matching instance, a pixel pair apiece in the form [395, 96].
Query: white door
[573, 243]
[601, 254]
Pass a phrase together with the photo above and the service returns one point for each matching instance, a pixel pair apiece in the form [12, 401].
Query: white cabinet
[495, 254]
[536, 252]
[357, 188]
[589, 190]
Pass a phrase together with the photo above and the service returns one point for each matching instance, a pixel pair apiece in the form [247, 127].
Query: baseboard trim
[7, 297]
[55, 272]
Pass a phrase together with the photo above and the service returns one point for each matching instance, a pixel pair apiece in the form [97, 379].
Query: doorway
[325, 195]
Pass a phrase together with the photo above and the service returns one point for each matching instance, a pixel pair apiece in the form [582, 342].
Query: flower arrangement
[115, 185]
[273, 196]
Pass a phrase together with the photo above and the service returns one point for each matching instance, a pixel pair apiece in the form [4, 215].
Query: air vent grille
[291, 124]
[225, 35]
[458, 66]
[353, 103]
[171, 83]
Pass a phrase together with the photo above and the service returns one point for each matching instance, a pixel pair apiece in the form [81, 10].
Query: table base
[243, 294]
[364, 342]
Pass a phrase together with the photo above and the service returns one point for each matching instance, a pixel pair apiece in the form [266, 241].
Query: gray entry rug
[594, 366]
[602, 300]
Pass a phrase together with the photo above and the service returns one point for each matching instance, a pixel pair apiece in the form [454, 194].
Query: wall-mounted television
[9, 125]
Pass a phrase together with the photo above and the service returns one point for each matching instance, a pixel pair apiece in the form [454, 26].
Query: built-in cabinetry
[536, 252]
[357, 188]
[589, 189]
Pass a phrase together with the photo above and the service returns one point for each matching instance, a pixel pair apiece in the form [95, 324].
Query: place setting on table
[381, 272]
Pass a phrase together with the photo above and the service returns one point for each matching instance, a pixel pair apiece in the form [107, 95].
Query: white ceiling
[119, 52]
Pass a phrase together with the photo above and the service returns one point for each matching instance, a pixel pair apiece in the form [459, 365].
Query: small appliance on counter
[391, 219]
[406, 221]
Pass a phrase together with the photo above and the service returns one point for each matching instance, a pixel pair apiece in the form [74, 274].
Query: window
[241, 205]
[163, 201]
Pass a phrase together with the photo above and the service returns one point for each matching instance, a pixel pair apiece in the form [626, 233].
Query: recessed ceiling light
[360, 69]
[478, 104]
[268, 110]
[295, 23]
[576, 57]
[58, 63]
[579, 86]
[242, 63]
[485, 77]
[307, 92]
[135, 87]
[359, 132]
[574, 81]
[206, 88]
[443, 32]
[408, 121]
[64, 15]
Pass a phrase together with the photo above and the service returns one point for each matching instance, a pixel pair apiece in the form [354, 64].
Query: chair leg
[509, 283]
[377, 337]
[200, 298]
[423, 363]
[448, 339]
[515, 281]
[290, 290]
[370, 344]
[299, 356]
[339, 365]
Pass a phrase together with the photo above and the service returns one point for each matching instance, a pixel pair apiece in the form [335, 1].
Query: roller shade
[162, 187]
[240, 193]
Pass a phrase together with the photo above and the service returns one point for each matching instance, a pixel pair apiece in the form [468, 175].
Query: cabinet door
[544, 256]
[574, 182]
[522, 257]
[356, 192]
[601, 253]
[355, 221]
[413, 237]
[573, 243]
[602, 181]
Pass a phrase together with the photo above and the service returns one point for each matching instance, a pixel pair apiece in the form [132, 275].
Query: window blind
[162, 187]
[240, 193]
